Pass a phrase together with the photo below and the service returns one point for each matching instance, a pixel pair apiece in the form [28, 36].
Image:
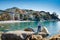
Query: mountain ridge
[28, 14]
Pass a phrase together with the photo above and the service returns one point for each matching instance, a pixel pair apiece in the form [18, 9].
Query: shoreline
[19, 32]
[14, 21]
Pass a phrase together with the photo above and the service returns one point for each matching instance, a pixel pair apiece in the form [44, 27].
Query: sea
[52, 26]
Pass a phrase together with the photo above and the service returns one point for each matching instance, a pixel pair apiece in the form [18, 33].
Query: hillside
[15, 13]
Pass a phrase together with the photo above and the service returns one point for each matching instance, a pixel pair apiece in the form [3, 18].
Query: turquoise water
[52, 26]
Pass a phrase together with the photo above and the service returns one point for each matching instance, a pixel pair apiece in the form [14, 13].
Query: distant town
[15, 13]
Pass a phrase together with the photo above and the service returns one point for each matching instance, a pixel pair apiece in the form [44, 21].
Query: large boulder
[20, 37]
[36, 37]
[43, 34]
[44, 29]
[14, 37]
[55, 37]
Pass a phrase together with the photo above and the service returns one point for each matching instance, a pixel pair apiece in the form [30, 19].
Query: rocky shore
[22, 35]
[55, 37]
[27, 34]
[18, 36]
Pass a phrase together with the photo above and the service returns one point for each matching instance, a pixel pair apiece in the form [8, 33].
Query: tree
[54, 16]
[5, 16]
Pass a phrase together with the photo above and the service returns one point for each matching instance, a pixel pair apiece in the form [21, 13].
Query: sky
[38, 5]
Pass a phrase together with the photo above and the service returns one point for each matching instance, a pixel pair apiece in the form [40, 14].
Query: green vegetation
[25, 14]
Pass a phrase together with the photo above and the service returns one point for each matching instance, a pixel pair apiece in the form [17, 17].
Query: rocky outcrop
[15, 35]
[27, 34]
[22, 35]
[55, 37]
[36, 37]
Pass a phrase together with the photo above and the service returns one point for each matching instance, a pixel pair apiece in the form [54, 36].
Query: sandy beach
[13, 21]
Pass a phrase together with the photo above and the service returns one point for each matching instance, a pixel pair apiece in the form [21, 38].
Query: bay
[52, 26]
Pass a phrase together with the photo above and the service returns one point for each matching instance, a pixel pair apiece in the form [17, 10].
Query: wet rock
[29, 29]
[45, 30]
[13, 37]
[20, 37]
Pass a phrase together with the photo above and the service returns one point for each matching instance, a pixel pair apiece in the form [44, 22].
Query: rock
[29, 29]
[43, 34]
[55, 37]
[14, 37]
[44, 29]
[21, 35]
[10, 36]
[36, 37]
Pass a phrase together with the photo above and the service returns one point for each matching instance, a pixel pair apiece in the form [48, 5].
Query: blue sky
[40, 5]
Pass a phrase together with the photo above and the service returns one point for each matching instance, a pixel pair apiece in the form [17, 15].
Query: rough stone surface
[36, 37]
[55, 37]
[14, 37]
[20, 37]
[29, 29]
